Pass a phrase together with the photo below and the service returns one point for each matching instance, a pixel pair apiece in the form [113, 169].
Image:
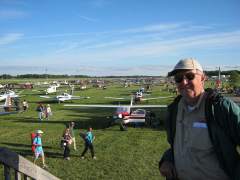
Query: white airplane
[64, 97]
[123, 114]
[51, 89]
[10, 93]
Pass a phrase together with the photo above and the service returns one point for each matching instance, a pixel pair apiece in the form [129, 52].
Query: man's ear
[203, 78]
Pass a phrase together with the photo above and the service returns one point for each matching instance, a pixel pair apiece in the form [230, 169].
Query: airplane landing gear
[123, 127]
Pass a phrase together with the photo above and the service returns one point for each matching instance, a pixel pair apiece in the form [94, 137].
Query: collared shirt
[89, 137]
[195, 158]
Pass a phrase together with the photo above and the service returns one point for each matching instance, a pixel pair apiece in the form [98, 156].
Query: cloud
[124, 50]
[10, 38]
[154, 28]
[88, 19]
[127, 48]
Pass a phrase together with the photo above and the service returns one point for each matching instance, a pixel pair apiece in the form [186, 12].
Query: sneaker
[94, 157]
[82, 157]
[44, 166]
[67, 158]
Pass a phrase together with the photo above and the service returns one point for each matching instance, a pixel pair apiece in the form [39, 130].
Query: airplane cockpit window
[139, 111]
[122, 109]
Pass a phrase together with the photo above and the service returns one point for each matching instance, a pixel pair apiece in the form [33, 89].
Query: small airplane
[7, 107]
[138, 97]
[123, 114]
[64, 97]
[7, 93]
[51, 89]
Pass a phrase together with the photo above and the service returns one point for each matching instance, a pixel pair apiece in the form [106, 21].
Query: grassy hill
[132, 154]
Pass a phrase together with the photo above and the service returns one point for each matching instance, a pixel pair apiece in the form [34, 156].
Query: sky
[117, 37]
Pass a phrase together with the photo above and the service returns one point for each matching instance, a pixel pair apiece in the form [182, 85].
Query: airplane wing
[79, 97]
[161, 97]
[112, 106]
[91, 105]
[47, 97]
[6, 113]
[149, 106]
[115, 98]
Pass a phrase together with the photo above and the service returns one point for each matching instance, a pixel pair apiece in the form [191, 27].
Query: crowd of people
[67, 140]
[44, 111]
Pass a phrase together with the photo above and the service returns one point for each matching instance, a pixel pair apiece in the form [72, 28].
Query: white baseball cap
[186, 64]
[39, 131]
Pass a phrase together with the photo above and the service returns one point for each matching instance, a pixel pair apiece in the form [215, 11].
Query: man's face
[190, 84]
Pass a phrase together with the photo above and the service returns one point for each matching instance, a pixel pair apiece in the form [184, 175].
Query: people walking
[37, 142]
[47, 111]
[25, 105]
[40, 110]
[71, 127]
[89, 138]
[67, 141]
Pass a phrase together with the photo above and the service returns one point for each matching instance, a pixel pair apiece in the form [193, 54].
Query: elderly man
[203, 130]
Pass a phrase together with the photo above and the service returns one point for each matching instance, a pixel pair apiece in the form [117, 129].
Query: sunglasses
[189, 76]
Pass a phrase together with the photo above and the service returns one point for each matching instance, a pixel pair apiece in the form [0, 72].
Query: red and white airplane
[123, 113]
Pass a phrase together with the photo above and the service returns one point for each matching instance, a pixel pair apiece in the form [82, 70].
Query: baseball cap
[186, 64]
[39, 131]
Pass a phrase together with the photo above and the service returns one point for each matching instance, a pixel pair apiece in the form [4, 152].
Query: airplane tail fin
[71, 89]
[8, 101]
[131, 103]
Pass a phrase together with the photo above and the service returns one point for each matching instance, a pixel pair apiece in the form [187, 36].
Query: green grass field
[132, 154]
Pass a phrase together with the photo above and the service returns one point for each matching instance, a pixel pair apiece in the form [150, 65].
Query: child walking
[89, 138]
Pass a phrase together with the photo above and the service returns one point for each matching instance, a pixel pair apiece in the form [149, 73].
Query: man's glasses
[179, 77]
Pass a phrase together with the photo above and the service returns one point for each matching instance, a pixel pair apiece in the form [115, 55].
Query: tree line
[41, 76]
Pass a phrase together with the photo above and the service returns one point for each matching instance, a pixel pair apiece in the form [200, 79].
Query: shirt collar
[189, 108]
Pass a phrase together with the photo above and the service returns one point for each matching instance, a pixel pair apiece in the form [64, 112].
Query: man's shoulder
[218, 100]
[175, 101]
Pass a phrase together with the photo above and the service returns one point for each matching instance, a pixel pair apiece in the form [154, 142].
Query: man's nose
[185, 80]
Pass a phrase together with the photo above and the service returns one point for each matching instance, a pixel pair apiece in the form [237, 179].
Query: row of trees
[39, 76]
[234, 79]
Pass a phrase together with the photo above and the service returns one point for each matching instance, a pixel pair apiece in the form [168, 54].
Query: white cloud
[10, 38]
[88, 19]
[131, 47]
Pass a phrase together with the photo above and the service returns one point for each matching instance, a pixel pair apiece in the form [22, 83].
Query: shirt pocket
[200, 139]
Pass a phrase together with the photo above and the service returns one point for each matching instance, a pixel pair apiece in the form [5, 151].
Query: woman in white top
[48, 112]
